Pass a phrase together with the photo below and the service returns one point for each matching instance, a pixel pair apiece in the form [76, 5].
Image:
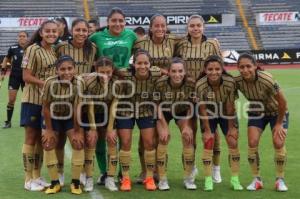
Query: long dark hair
[66, 34]
[87, 46]
[63, 59]
[113, 11]
[104, 61]
[136, 54]
[251, 58]
[151, 23]
[190, 18]
[36, 37]
[214, 58]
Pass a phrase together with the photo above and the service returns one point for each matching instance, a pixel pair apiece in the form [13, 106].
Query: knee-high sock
[234, 161]
[60, 154]
[51, 162]
[125, 159]
[217, 151]
[38, 160]
[280, 162]
[188, 160]
[89, 157]
[112, 160]
[9, 110]
[161, 160]
[77, 163]
[149, 156]
[207, 161]
[28, 160]
[254, 161]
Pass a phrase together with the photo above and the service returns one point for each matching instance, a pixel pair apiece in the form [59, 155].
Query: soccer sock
[9, 110]
[28, 160]
[207, 162]
[253, 159]
[161, 160]
[125, 158]
[101, 155]
[112, 161]
[280, 161]
[188, 160]
[51, 162]
[217, 151]
[149, 157]
[141, 156]
[234, 161]
[60, 154]
[89, 155]
[77, 163]
[38, 160]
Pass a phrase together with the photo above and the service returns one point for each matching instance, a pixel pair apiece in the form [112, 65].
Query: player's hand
[233, 132]
[77, 140]
[279, 131]
[92, 137]
[112, 137]
[207, 135]
[164, 136]
[48, 138]
[187, 134]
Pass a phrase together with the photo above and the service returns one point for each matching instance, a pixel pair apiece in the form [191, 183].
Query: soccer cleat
[256, 184]
[41, 181]
[33, 186]
[110, 184]
[216, 174]
[89, 185]
[101, 179]
[125, 184]
[140, 179]
[189, 183]
[75, 188]
[61, 178]
[82, 178]
[194, 173]
[235, 183]
[280, 185]
[6, 125]
[149, 184]
[163, 185]
[208, 184]
[54, 188]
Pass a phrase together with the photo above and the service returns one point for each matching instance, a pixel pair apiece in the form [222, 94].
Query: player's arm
[278, 129]
[31, 79]
[111, 133]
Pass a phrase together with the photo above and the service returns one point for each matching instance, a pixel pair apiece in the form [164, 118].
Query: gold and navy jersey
[216, 98]
[194, 55]
[262, 90]
[63, 95]
[82, 65]
[139, 93]
[42, 64]
[98, 91]
[168, 95]
[161, 54]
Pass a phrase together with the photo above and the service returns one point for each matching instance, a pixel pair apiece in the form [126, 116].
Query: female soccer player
[102, 91]
[137, 106]
[63, 30]
[175, 98]
[194, 49]
[38, 65]
[267, 106]
[161, 47]
[216, 93]
[61, 96]
[83, 52]
[14, 57]
[115, 42]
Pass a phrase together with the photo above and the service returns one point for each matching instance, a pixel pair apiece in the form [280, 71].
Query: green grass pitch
[11, 166]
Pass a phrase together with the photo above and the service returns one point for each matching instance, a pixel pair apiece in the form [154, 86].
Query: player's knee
[48, 146]
[253, 143]
[278, 143]
[232, 142]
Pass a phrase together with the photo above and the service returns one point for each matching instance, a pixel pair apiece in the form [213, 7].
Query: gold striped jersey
[139, 93]
[216, 97]
[82, 65]
[194, 55]
[63, 95]
[165, 93]
[42, 64]
[262, 89]
[161, 54]
[101, 92]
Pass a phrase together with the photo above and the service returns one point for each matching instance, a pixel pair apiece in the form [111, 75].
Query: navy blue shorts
[143, 123]
[31, 115]
[223, 122]
[60, 126]
[263, 122]
[15, 82]
[168, 116]
[100, 120]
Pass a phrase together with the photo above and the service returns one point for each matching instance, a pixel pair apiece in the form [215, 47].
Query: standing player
[61, 97]
[93, 26]
[115, 42]
[194, 49]
[137, 106]
[38, 65]
[83, 52]
[14, 57]
[63, 30]
[267, 106]
[216, 93]
[161, 47]
[175, 95]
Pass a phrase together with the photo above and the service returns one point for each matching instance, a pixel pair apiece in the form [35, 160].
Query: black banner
[171, 20]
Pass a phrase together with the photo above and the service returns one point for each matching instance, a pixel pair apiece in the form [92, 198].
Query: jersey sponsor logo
[25, 60]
